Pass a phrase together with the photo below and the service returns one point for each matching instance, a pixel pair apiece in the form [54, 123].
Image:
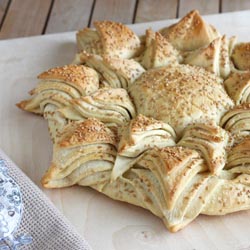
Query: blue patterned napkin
[28, 220]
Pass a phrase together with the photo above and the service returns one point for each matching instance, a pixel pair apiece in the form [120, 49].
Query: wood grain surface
[22, 21]
[159, 9]
[19, 18]
[114, 10]
[69, 15]
[105, 223]
[205, 7]
[3, 7]
[231, 5]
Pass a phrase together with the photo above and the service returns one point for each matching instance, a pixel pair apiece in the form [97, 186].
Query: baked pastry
[238, 87]
[174, 184]
[113, 72]
[190, 33]
[210, 140]
[158, 52]
[161, 122]
[141, 134]
[241, 56]
[237, 121]
[239, 158]
[81, 150]
[196, 95]
[215, 57]
[60, 85]
[110, 106]
[109, 39]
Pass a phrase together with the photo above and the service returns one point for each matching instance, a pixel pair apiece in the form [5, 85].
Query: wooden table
[20, 18]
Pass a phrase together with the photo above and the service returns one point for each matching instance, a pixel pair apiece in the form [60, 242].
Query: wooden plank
[114, 10]
[25, 18]
[69, 15]
[234, 5]
[203, 6]
[157, 10]
[3, 7]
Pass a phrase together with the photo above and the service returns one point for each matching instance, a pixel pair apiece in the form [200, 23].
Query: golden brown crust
[238, 87]
[190, 33]
[143, 133]
[174, 157]
[59, 85]
[180, 95]
[127, 148]
[117, 39]
[114, 72]
[210, 141]
[80, 76]
[109, 39]
[215, 57]
[111, 106]
[237, 121]
[90, 130]
[241, 56]
[159, 52]
[127, 68]
[239, 157]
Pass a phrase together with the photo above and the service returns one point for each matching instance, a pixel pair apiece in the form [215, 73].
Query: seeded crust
[210, 141]
[127, 68]
[117, 96]
[239, 157]
[83, 78]
[215, 57]
[118, 39]
[237, 121]
[115, 72]
[86, 132]
[58, 86]
[111, 39]
[238, 87]
[144, 133]
[111, 106]
[241, 56]
[159, 145]
[159, 51]
[180, 95]
[176, 186]
[81, 145]
[190, 33]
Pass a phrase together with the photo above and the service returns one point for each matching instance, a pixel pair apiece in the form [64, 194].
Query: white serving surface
[105, 223]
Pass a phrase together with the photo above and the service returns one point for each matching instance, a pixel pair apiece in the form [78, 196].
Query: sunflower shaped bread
[160, 121]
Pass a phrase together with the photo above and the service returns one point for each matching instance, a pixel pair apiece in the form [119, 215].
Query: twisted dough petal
[82, 150]
[174, 184]
[114, 72]
[215, 57]
[237, 121]
[182, 34]
[210, 141]
[140, 135]
[59, 85]
[158, 52]
[241, 56]
[238, 87]
[238, 160]
[107, 40]
[110, 106]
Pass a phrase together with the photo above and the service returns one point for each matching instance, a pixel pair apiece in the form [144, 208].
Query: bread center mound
[180, 95]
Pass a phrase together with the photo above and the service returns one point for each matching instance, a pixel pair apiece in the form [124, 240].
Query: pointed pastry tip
[22, 105]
